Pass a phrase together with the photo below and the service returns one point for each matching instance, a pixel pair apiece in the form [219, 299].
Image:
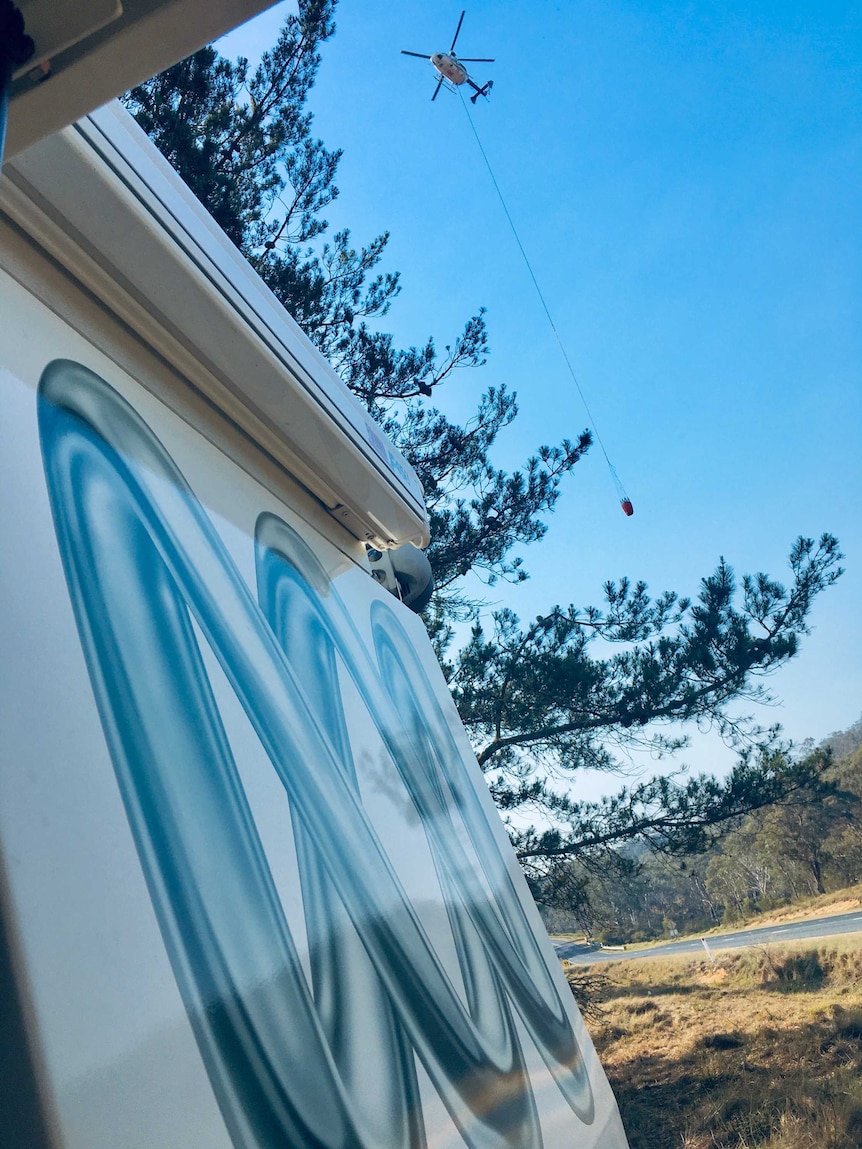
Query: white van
[254, 891]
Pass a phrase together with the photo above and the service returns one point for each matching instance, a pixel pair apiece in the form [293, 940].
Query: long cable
[624, 499]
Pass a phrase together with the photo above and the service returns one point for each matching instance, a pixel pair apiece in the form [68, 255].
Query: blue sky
[685, 179]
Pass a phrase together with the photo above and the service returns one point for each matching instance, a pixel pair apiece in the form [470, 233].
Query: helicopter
[451, 67]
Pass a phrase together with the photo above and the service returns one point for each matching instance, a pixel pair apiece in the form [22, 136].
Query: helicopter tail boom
[477, 91]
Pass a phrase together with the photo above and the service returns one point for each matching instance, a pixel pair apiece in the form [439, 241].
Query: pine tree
[540, 700]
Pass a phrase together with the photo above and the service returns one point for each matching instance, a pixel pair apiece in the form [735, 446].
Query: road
[791, 932]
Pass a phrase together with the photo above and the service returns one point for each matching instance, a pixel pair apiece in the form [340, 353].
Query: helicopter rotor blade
[476, 59]
[457, 30]
[420, 55]
[437, 89]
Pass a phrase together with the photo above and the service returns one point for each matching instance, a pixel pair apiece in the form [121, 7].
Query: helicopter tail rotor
[483, 91]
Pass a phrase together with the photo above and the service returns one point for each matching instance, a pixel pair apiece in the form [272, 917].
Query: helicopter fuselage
[449, 67]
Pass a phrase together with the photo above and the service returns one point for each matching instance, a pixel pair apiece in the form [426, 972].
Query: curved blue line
[334, 1065]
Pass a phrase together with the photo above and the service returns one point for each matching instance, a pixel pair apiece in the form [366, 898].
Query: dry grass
[762, 1050]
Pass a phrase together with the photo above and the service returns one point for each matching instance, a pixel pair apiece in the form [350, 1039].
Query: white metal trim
[105, 204]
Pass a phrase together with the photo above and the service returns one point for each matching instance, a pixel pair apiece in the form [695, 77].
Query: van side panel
[257, 893]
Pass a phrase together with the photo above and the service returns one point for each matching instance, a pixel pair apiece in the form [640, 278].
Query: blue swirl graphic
[333, 1064]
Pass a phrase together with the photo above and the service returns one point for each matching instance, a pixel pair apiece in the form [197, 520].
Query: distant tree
[539, 701]
[844, 848]
[623, 895]
[766, 858]
[803, 846]
[802, 837]
[845, 743]
[844, 843]
[741, 876]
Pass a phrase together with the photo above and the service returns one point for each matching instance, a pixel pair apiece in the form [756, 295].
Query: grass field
[761, 1050]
